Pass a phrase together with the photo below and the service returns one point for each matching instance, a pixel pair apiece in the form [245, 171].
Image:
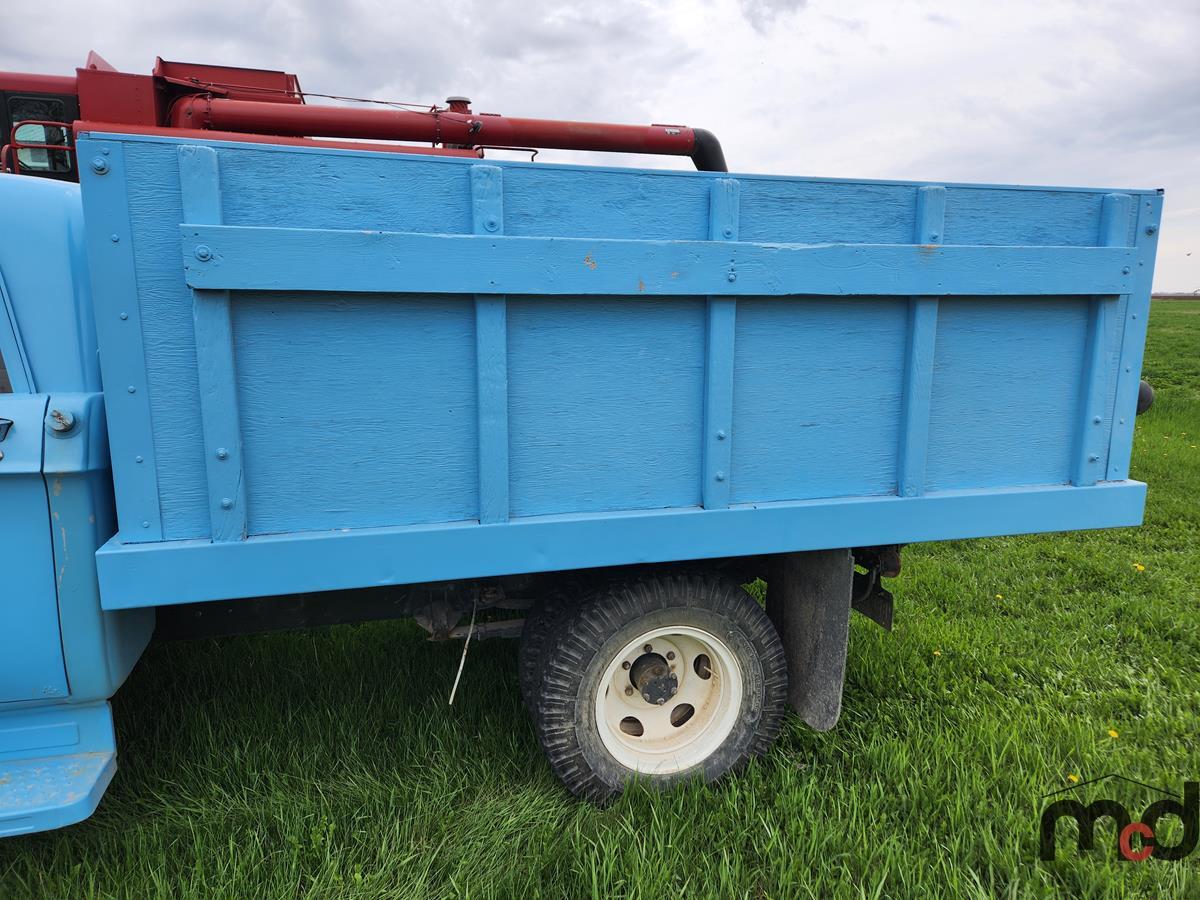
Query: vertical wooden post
[200, 186]
[491, 356]
[1147, 216]
[918, 364]
[1090, 459]
[718, 357]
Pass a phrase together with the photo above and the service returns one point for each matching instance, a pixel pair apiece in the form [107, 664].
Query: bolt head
[115, 238]
[1150, 229]
[720, 476]
[59, 421]
[1125, 270]
[629, 691]
[491, 224]
[625, 665]
[721, 435]
[226, 503]
[124, 316]
[222, 453]
[732, 276]
[661, 700]
[99, 165]
[203, 253]
[670, 654]
[728, 232]
[648, 648]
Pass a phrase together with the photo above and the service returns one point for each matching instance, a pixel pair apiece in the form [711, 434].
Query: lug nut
[629, 691]
[648, 648]
[625, 665]
[670, 654]
[662, 700]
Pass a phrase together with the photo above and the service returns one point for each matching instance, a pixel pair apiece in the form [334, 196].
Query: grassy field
[327, 764]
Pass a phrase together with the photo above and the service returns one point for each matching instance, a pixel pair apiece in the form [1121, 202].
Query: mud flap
[808, 600]
[55, 763]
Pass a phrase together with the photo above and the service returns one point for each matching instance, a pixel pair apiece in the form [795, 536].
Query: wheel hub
[653, 678]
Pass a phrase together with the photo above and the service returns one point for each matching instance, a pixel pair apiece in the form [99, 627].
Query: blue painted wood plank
[817, 397]
[1090, 459]
[200, 189]
[1005, 391]
[1133, 340]
[187, 571]
[357, 410]
[491, 356]
[324, 260]
[115, 292]
[918, 363]
[719, 356]
[605, 404]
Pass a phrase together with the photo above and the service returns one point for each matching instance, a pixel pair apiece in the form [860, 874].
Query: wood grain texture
[357, 411]
[1131, 336]
[491, 355]
[1005, 392]
[720, 335]
[816, 398]
[363, 411]
[122, 333]
[918, 362]
[279, 259]
[1094, 416]
[200, 187]
[605, 403]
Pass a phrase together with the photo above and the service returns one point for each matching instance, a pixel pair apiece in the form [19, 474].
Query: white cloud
[1027, 91]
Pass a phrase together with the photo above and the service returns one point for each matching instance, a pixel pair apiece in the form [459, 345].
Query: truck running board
[55, 764]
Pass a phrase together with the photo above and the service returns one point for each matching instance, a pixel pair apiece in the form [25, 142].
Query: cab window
[5, 384]
[43, 109]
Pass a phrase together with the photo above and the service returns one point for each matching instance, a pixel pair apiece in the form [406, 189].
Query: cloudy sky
[1027, 91]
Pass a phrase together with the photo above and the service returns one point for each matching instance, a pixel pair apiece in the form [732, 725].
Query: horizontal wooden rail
[218, 257]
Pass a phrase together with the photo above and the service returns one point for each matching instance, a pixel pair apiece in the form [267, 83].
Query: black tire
[540, 621]
[585, 641]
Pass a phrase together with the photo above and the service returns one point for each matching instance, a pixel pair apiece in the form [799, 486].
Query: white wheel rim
[672, 738]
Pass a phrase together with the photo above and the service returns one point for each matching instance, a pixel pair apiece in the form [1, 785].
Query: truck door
[31, 658]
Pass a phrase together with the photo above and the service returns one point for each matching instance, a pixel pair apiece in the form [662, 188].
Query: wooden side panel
[357, 411]
[362, 410]
[168, 337]
[605, 404]
[1005, 391]
[816, 398]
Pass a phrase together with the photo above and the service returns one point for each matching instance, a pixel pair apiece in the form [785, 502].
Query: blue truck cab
[61, 655]
[607, 396]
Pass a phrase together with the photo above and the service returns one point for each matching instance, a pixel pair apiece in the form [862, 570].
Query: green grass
[327, 763]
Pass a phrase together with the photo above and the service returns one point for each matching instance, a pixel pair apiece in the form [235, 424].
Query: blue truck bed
[331, 369]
